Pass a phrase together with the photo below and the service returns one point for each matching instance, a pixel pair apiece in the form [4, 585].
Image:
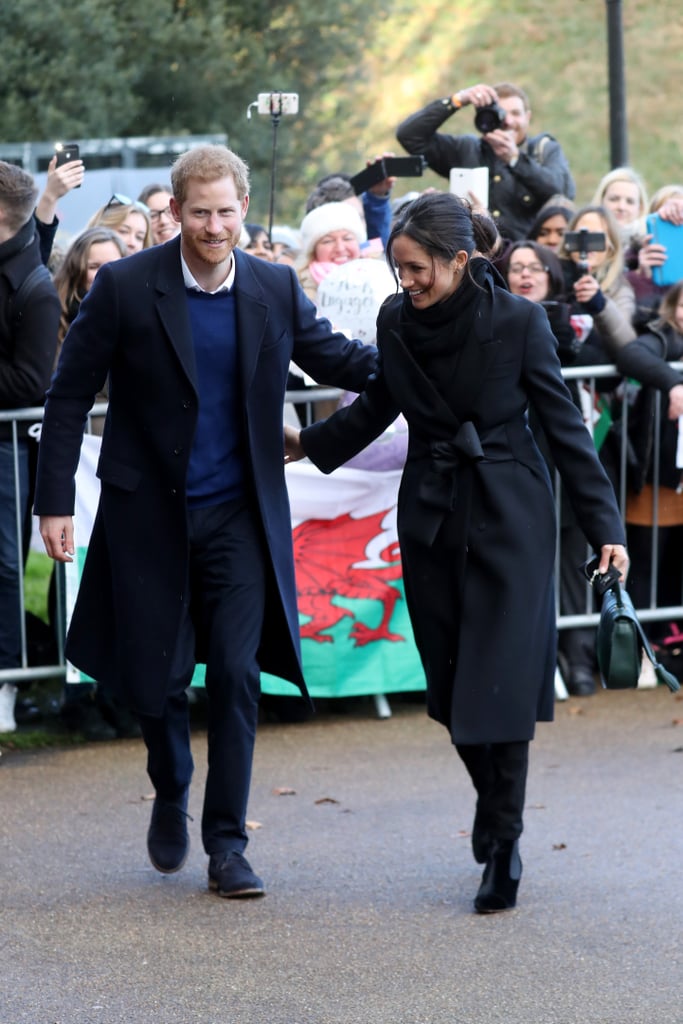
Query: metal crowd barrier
[307, 399]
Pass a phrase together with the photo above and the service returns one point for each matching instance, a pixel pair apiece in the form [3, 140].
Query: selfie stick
[275, 115]
[276, 104]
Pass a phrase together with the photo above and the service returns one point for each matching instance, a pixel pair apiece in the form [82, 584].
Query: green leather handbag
[621, 639]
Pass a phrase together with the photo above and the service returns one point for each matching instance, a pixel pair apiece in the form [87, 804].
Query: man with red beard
[190, 557]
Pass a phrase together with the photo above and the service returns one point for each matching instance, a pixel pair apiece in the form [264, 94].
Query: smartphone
[388, 167]
[404, 166]
[585, 241]
[368, 177]
[66, 152]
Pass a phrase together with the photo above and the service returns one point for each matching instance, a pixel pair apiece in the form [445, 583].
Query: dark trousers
[224, 614]
[499, 773]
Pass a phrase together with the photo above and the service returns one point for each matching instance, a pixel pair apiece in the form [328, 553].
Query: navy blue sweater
[216, 471]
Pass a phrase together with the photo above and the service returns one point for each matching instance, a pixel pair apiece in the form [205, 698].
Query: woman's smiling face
[425, 278]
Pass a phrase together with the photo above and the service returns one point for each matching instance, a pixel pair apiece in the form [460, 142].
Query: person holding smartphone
[63, 175]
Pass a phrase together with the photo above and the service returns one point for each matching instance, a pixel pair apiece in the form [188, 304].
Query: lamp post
[618, 131]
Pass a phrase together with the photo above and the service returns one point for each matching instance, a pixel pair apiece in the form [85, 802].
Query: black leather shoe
[168, 842]
[230, 875]
[500, 881]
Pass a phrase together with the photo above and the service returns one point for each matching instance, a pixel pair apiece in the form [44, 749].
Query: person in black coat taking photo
[461, 358]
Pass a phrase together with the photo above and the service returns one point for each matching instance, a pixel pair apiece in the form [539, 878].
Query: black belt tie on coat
[447, 485]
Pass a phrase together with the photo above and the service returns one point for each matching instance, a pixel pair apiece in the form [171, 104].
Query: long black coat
[134, 326]
[478, 569]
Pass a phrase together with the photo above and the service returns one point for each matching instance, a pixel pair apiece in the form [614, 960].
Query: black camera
[583, 242]
[490, 117]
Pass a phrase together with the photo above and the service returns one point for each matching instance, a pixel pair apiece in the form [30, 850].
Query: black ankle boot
[499, 883]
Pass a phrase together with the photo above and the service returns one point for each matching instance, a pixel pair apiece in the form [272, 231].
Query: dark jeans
[225, 614]
[499, 773]
[11, 556]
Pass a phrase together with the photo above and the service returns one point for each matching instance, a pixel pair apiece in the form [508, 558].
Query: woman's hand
[672, 210]
[586, 288]
[293, 448]
[676, 401]
[651, 254]
[614, 554]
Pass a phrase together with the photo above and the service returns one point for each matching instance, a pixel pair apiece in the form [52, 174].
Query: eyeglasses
[156, 215]
[118, 199]
[533, 268]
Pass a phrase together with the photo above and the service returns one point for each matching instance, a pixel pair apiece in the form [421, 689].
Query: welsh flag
[356, 636]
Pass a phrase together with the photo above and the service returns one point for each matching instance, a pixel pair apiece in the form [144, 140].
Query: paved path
[369, 917]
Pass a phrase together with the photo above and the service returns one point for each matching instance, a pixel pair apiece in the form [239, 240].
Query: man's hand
[502, 142]
[293, 448]
[477, 95]
[58, 537]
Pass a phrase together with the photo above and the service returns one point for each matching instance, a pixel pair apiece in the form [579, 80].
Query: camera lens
[488, 118]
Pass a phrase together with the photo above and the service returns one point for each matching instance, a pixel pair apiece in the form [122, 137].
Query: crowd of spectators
[599, 269]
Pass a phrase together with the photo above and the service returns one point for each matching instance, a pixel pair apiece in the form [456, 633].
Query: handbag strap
[662, 674]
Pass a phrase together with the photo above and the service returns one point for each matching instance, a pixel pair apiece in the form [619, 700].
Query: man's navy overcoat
[133, 326]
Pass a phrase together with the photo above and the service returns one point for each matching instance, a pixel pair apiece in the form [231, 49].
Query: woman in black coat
[461, 358]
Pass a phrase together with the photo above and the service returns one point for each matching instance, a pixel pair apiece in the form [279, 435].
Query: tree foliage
[94, 69]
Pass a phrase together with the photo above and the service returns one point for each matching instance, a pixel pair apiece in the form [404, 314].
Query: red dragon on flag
[331, 562]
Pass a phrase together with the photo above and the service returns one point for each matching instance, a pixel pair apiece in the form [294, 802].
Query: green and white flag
[356, 636]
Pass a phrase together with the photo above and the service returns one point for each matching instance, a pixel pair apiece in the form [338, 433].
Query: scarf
[437, 334]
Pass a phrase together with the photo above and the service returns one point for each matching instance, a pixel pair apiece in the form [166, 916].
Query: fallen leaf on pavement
[284, 791]
[326, 800]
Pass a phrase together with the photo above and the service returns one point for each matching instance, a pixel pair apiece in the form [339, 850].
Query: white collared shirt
[192, 283]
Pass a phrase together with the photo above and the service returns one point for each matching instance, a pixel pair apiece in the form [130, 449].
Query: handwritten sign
[351, 294]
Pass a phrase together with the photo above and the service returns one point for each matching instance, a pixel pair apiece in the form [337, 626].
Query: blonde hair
[115, 213]
[664, 193]
[612, 269]
[622, 174]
